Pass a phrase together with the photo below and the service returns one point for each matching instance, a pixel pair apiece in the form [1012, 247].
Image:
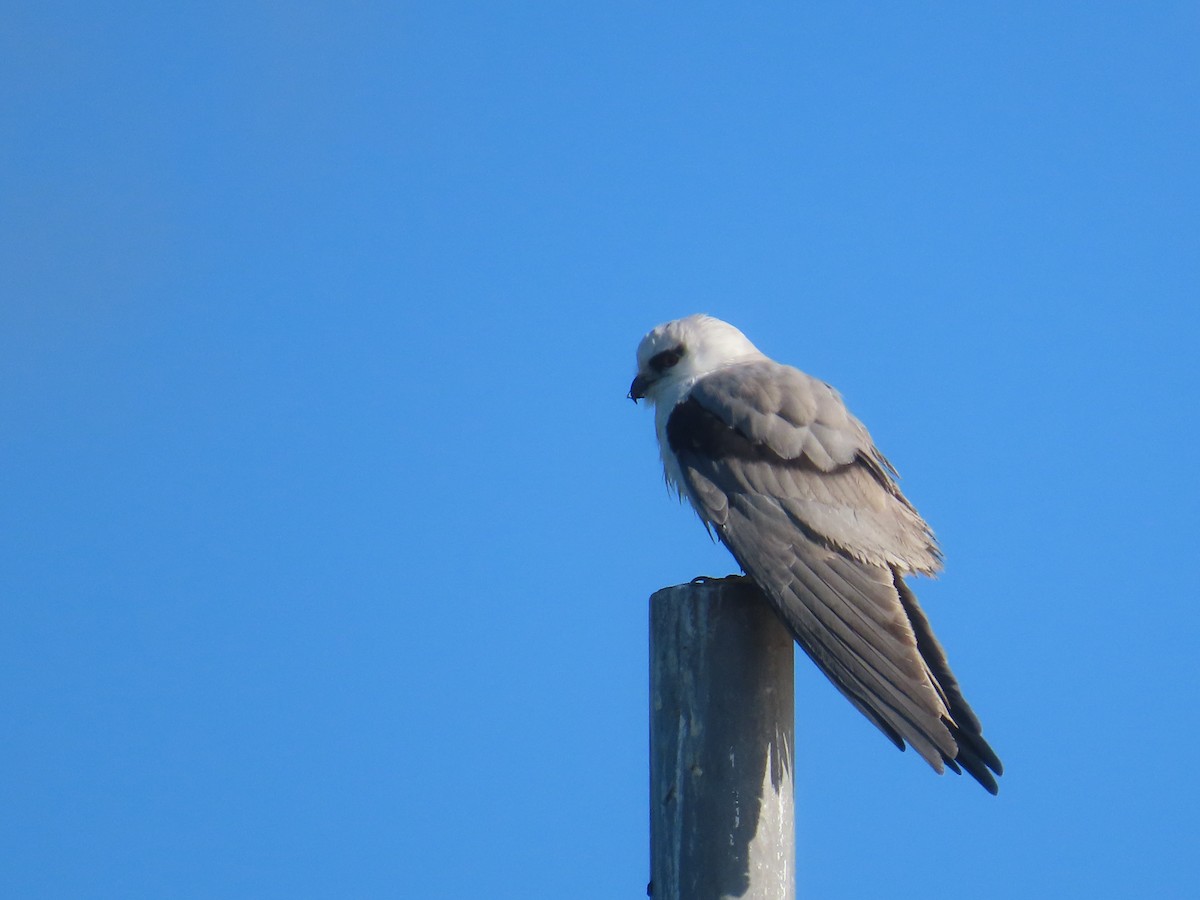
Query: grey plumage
[794, 486]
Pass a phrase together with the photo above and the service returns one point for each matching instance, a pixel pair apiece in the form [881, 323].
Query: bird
[792, 484]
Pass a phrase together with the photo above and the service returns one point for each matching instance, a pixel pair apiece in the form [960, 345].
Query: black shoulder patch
[693, 431]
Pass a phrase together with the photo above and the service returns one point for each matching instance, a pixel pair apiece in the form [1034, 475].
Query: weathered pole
[721, 736]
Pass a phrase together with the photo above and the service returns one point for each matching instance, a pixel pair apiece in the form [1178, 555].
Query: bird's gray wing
[797, 491]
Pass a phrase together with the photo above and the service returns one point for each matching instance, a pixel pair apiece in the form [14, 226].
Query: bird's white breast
[670, 396]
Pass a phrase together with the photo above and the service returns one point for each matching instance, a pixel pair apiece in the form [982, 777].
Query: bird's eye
[660, 362]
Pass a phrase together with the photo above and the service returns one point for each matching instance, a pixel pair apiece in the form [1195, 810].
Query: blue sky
[327, 530]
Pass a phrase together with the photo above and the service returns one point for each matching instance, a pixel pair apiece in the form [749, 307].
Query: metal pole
[721, 736]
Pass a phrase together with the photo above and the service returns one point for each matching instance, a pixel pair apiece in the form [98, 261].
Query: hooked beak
[638, 389]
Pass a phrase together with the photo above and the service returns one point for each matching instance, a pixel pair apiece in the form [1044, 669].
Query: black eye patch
[660, 362]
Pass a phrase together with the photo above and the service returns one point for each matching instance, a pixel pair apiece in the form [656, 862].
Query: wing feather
[796, 490]
[820, 459]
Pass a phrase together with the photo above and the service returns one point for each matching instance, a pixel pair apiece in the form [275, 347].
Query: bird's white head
[673, 355]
